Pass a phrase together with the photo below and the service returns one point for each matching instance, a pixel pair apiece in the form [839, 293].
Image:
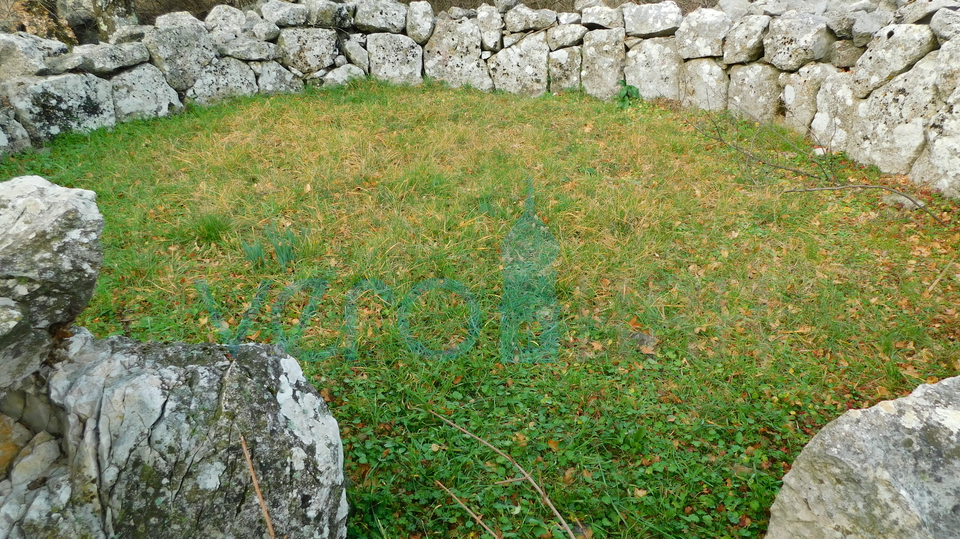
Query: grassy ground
[775, 312]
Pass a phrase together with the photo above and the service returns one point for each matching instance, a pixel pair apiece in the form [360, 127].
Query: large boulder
[701, 33]
[799, 95]
[651, 20]
[754, 92]
[308, 50]
[180, 52]
[453, 55]
[223, 79]
[142, 92]
[380, 16]
[892, 470]
[744, 42]
[836, 112]
[49, 106]
[603, 59]
[491, 27]
[563, 66]
[23, 54]
[395, 58]
[13, 137]
[939, 164]
[893, 50]
[522, 68]
[420, 21]
[49, 260]
[797, 39]
[655, 68]
[705, 84]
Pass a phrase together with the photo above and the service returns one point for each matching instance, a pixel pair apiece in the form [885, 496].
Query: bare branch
[942, 273]
[467, 509]
[915, 202]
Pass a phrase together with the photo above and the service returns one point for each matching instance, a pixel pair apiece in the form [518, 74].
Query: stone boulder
[225, 23]
[948, 74]
[329, 14]
[223, 79]
[104, 58]
[49, 106]
[491, 28]
[284, 14]
[420, 21]
[705, 85]
[946, 25]
[354, 47]
[866, 24]
[893, 50]
[651, 20]
[522, 68]
[799, 95]
[23, 54]
[380, 16]
[180, 52]
[142, 92]
[744, 42]
[595, 17]
[273, 78]
[565, 35]
[49, 260]
[395, 58]
[892, 470]
[754, 92]
[701, 33]
[603, 59]
[836, 112]
[655, 68]
[343, 75]
[308, 50]
[249, 49]
[453, 55]
[563, 66]
[939, 164]
[523, 19]
[13, 137]
[795, 40]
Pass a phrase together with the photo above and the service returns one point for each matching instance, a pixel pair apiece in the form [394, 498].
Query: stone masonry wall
[877, 79]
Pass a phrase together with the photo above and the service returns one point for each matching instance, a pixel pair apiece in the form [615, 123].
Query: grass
[774, 313]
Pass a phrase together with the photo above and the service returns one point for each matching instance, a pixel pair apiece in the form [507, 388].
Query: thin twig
[467, 509]
[508, 481]
[527, 476]
[915, 202]
[256, 488]
[942, 273]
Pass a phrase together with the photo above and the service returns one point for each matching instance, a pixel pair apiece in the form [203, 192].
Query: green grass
[774, 312]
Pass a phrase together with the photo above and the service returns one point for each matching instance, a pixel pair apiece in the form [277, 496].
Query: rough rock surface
[894, 50]
[844, 54]
[342, 75]
[49, 260]
[754, 92]
[180, 52]
[655, 68]
[328, 14]
[22, 55]
[946, 24]
[354, 47]
[564, 65]
[380, 16]
[601, 17]
[308, 50]
[867, 24]
[104, 58]
[420, 21]
[836, 112]
[284, 14]
[651, 20]
[249, 49]
[225, 23]
[705, 84]
[701, 33]
[522, 68]
[795, 40]
[273, 78]
[453, 55]
[223, 79]
[565, 35]
[53, 105]
[744, 42]
[799, 94]
[13, 137]
[892, 470]
[491, 27]
[142, 92]
[948, 69]
[522, 19]
[603, 59]
[939, 163]
[395, 58]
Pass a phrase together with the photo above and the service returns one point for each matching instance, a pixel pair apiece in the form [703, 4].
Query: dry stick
[942, 273]
[256, 488]
[916, 203]
[467, 509]
[536, 486]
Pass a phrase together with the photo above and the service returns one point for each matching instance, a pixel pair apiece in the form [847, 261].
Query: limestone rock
[342, 75]
[34, 459]
[329, 14]
[795, 40]
[284, 14]
[705, 84]
[223, 79]
[601, 17]
[799, 94]
[651, 20]
[948, 69]
[868, 24]
[603, 59]
[420, 21]
[922, 12]
[273, 78]
[522, 68]
[180, 52]
[565, 35]
[178, 19]
[701, 33]
[380, 16]
[563, 66]
[894, 50]
[491, 28]
[57, 65]
[354, 48]
[737, 9]
[888, 471]
[844, 54]
[13, 437]
[142, 92]
[754, 92]
[395, 58]
[128, 34]
[841, 23]
[744, 42]
[249, 49]
[504, 6]
[568, 18]
[49, 106]
[104, 58]
[946, 25]
[13, 137]
[261, 29]
[308, 50]
[655, 68]
[580, 5]
[453, 55]
[939, 164]
[522, 19]
[836, 112]
[21, 54]
[225, 23]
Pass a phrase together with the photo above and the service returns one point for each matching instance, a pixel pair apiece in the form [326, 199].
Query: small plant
[255, 254]
[206, 229]
[282, 245]
[626, 95]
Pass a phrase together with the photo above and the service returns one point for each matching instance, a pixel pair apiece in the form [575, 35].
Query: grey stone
[354, 47]
[939, 164]
[453, 55]
[701, 33]
[889, 128]
[340, 61]
[522, 19]
[795, 40]
[867, 24]
[142, 92]
[37, 412]
[522, 68]
[20, 55]
[57, 65]
[921, 12]
[601, 17]
[491, 28]
[13, 438]
[580, 5]
[49, 106]
[603, 59]
[948, 69]
[128, 34]
[655, 68]
[395, 58]
[342, 75]
[841, 23]
[104, 58]
[737, 9]
[946, 25]
[380, 16]
[420, 21]
[249, 49]
[565, 35]
[836, 112]
[13, 137]
[510, 40]
[893, 51]
[651, 20]
[461, 13]
[34, 459]
[563, 67]
[178, 19]
[284, 14]
[504, 6]
[308, 50]
[744, 42]
[265, 31]
[568, 18]
[180, 52]
[845, 54]
[328, 14]
[887, 471]
[273, 78]
[225, 23]
[754, 92]
[705, 84]
[223, 79]
[799, 95]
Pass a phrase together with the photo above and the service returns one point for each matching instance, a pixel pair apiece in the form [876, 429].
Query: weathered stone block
[565, 35]
[522, 68]
[651, 20]
[380, 16]
[655, 68]
[754, 92]
[705, 85]
[744, 42]
[836, 112]
[223, 79]
[491, 27]
[142, 92]
[701, 33]
[603, 59]
[894, 50]
[601, 17]
[522, 19]
[795, 40]
[308, 50]
[563, 67]
[799, 94]
[284, 14]
[453, 55]
[395, 58]
[49, 106]
[180, 52]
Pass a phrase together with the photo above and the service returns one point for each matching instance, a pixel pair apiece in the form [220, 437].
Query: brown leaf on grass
[569, 475]
[555, 445]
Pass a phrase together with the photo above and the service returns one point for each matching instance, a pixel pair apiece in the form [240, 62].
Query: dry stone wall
[877, 79]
